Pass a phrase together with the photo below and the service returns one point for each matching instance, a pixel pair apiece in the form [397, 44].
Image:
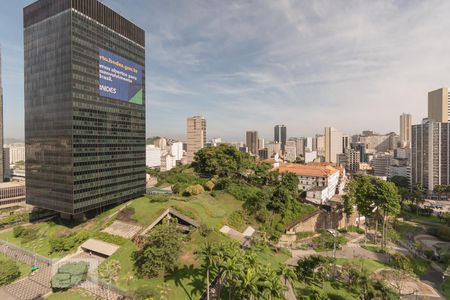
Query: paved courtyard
[123, 229]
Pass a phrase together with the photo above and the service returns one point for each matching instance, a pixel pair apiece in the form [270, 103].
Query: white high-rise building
[430, 148]
[168, 161]
[152, 156]
[333, 144]
[405, 130]
[308, 143]
[310, 156]
[16, 153]
[176, 149]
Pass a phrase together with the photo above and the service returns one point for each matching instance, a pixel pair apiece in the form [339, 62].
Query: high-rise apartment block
[84, 106]
[290, 151]
[251, 138]
[405, 130]
[430, 152]
[438, 105]
[196, 136]
[350, 159]
[280, 135]
[333, 144]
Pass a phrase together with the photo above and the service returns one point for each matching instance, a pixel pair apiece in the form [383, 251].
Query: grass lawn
[267, 256]
[446, 288]
[368, 264]
[24, 269]
[72, 295]
[212, 211]
[418, 218]
[41, 244]
[337, 289]
[372, 247]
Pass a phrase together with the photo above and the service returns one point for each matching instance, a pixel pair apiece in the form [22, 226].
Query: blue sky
[251, 64]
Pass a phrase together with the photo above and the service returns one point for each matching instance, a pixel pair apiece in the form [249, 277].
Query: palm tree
[287, 273]
[208, 253]
[229, 269]
[271, 285]
[247, 287]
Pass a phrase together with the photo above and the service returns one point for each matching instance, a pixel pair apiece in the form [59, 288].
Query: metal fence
[26, 255]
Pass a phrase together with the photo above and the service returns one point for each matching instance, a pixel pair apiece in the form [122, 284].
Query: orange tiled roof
[313, 170]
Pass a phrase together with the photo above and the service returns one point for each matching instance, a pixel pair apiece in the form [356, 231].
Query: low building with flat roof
[12, 193]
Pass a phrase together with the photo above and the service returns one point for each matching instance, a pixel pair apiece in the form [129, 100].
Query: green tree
[387, 201]
[281, 200]
[160, 251]
[400, 181]
[417, 195]
[287, 273]
[290, 181]
[223, 160]
[247, 284]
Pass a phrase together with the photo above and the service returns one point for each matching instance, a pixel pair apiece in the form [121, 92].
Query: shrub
[193, 190]
[69, 275]
[144, 293]
[17, 231]
[401, 261]
[325, 241]
[209, 186]
[242, 191]
[304, 235]
[8, 272]
[222, 183]
[429, 254]
[29, 234]
[353, 228]
[110, 238]
[204, 230]
[68, 242]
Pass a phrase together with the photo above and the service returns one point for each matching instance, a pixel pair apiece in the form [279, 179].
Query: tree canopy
[160, 251]
[223, 160]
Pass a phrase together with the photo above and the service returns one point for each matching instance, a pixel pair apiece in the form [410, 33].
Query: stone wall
[322, 220]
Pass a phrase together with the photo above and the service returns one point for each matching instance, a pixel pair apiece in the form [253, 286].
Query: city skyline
[324, 64]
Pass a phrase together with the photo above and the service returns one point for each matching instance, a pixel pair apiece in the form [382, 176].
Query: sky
[252, 64]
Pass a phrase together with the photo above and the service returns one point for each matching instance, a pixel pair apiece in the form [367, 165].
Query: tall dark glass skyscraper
[280, 135]
[84, 106]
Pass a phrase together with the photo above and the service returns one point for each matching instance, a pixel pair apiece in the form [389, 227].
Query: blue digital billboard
[120, 78]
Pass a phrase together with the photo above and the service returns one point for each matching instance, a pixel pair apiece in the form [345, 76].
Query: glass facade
[83, 151]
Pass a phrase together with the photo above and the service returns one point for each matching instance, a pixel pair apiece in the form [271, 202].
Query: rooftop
[314, 170]
[4, 185]
[93, 245]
